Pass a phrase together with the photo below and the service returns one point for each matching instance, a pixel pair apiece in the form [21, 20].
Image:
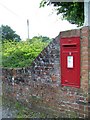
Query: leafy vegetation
[21, 54]
[9, 34]
[25, 112]
[71, 11]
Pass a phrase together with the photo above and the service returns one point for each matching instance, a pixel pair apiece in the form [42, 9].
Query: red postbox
[70, 61]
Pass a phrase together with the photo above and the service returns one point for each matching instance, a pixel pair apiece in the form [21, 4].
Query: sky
[42, 21]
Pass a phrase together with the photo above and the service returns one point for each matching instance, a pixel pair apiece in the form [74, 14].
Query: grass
[22, 111]
[25, 112]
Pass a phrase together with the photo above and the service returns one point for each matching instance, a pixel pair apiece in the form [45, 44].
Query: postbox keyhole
[70, 53]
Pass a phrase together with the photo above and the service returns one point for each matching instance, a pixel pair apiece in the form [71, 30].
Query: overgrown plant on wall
[21, 54]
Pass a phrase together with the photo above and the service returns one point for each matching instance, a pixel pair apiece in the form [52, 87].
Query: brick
[85, 67]
[85, 33]
[70, 33]
[85, 29]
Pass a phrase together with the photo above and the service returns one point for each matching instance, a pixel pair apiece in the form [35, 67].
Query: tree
[43, 39]
[9, 34]
[71, 11]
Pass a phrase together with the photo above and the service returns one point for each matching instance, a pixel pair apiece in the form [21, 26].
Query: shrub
[20, 54]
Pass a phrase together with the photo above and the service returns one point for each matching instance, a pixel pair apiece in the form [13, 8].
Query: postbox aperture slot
[69, 45]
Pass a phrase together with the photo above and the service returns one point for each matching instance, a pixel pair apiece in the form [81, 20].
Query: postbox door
[70, 71]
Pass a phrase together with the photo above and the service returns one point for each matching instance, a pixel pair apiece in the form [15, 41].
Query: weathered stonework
[39, 86]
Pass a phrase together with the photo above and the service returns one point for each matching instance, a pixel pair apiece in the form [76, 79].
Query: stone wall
[89, 74]
[39, 86]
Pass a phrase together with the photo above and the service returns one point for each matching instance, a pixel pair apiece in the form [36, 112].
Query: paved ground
[8, 112]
